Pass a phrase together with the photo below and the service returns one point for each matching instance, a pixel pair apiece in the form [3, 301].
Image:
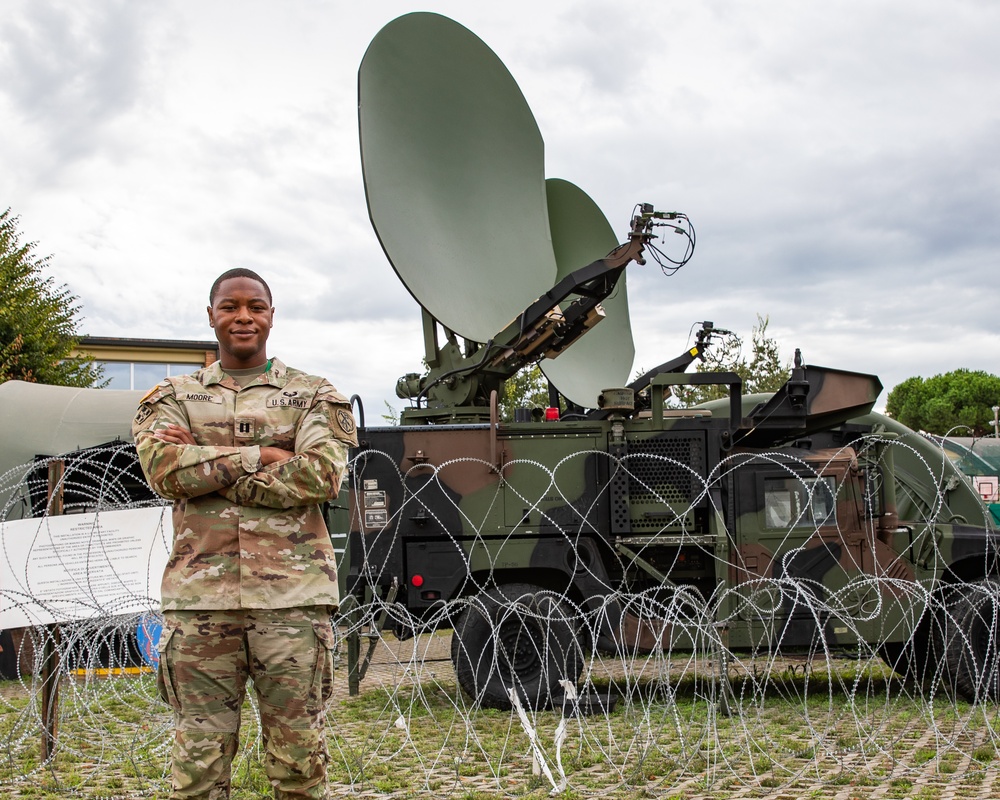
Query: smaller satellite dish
[603, 358]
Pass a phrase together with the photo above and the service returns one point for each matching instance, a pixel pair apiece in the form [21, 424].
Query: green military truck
[613, 521]
[631, 529]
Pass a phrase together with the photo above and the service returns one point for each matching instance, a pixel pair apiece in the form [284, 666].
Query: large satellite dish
[454, 175]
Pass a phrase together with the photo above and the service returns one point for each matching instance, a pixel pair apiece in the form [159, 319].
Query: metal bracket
[373, 635]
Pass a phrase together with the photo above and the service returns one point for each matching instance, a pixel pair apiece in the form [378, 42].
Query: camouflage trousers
[206, 658]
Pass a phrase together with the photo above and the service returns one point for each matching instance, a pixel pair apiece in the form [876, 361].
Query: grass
[800, 735]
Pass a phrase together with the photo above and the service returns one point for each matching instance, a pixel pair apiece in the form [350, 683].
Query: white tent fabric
[36, 419]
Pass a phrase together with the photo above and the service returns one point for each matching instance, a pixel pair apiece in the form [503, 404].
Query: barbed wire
[763, 678]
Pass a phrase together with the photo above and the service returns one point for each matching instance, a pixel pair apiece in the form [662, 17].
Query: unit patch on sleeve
[144, 413]
[345, 419]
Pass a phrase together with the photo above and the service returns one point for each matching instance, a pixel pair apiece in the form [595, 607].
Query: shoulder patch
[345, 421]
[340, 414]
[157, 393]
[331, 395]
[144, 413]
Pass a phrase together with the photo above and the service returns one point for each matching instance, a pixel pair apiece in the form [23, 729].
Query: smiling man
[247, 449]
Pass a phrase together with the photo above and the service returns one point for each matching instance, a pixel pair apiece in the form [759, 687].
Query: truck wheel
[515, 636]
[916, 659]
[971, 647]
[910, 659]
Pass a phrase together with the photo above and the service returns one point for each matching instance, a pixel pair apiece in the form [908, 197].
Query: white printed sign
[988, 487]
[80, 566]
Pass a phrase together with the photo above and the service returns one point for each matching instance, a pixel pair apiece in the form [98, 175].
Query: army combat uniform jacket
[247, 536]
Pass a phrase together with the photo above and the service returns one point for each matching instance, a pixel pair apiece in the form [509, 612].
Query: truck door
[802, 554]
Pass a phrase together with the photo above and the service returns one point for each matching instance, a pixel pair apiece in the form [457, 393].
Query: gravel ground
[399, 664]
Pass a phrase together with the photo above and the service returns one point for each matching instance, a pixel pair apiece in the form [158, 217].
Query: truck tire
[515, 636]
[971, 647]
[910, 659]
[916, 659]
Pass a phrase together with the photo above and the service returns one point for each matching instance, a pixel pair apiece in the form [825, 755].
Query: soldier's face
[242, 316]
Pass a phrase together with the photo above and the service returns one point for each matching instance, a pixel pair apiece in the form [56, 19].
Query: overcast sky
[839, 161]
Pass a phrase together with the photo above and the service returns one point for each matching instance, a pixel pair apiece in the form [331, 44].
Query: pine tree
[38, 319]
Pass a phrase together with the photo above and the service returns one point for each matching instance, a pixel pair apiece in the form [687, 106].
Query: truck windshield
[799, 502]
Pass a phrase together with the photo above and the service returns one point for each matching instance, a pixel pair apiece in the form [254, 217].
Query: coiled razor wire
[691, 715]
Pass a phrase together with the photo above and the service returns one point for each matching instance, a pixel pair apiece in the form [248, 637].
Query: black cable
[456, 371]
[687, 230]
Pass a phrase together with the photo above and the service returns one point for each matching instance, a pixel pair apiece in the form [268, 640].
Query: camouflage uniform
[252, 574]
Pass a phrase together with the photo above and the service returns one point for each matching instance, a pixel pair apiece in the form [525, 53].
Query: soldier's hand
[271, 455]
[175, 434]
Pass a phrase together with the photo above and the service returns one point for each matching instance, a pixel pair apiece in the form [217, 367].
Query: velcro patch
[199, 397]
[244, 428]
[157, 393]
[345, 419]
[331, 395]
[143, 414]
[287, 402]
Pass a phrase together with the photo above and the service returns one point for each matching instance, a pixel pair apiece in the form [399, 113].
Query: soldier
[247, 449]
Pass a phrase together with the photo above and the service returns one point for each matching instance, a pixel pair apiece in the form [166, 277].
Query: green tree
[762, 370]
[961, 399]
[38, 319]
[527, 389]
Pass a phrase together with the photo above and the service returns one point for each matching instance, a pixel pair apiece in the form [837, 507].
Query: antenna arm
[546, 328]
[684, 360]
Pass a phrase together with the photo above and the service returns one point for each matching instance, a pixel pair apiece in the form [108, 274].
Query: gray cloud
[71, 68]
[836, 159]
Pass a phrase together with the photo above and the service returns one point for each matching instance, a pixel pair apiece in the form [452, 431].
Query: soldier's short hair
[237, 272]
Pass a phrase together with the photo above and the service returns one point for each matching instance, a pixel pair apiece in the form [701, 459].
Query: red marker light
[551, 414]
[417, 581]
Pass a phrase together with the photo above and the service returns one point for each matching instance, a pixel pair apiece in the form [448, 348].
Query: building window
[141, 375]
[117, 373]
